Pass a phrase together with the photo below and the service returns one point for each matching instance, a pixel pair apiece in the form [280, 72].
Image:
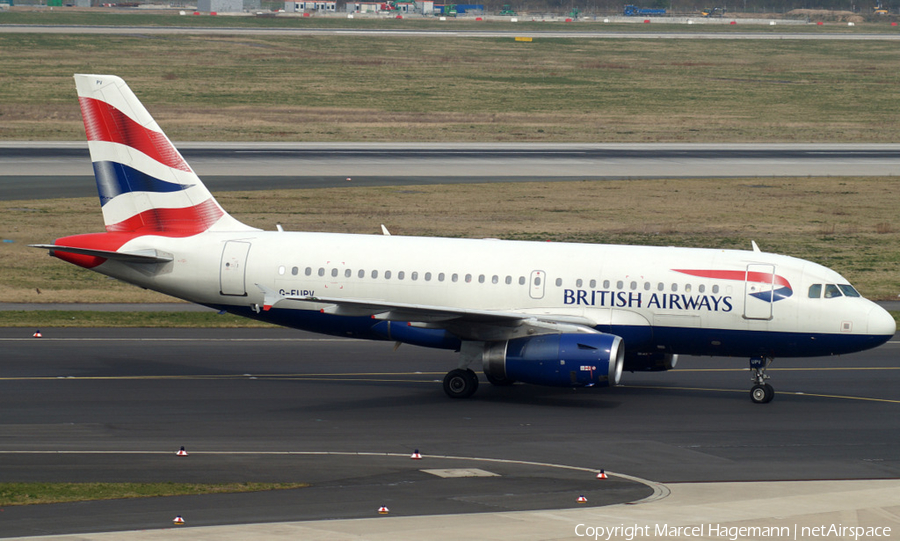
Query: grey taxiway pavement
[344, 416]
[49, 170]
[595, 33]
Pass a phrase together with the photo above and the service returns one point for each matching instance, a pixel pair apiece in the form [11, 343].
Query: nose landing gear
[761, 392]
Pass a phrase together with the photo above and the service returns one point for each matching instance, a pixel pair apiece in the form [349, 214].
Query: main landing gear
[460, 383]
[761, 392]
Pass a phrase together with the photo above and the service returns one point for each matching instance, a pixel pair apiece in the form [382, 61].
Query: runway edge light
[181, 452]
[416, 455]
[37, 334]
[601, 475]
[178, 520]
[383, 510]
[581, 499]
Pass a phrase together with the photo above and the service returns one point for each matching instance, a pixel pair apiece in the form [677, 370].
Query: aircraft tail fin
[145, 185]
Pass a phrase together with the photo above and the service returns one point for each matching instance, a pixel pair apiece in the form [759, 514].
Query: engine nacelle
[560, 360]
[650, 362]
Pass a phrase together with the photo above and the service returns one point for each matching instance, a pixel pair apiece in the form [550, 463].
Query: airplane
[557, 314]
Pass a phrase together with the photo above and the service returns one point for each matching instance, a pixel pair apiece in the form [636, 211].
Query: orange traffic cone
[601, 475]
[37, 334]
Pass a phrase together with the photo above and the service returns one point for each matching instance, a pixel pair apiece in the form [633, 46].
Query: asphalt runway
[343, 415]
[39, 171]
[544, 34]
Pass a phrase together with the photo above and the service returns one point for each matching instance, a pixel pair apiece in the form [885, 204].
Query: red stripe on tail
[103, 122]
[177, 222]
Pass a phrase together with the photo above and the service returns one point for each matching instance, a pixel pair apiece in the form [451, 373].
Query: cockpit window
[832, 291]
[849, 290]
[815, 291]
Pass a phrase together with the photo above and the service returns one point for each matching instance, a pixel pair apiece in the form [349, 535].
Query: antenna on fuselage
[755, 247]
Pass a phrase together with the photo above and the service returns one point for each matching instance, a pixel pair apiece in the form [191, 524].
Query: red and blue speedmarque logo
[780, 287]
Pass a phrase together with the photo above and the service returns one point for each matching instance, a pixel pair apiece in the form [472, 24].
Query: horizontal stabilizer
[142, 256]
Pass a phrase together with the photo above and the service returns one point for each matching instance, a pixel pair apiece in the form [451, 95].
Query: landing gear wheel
[460, 383]
[762, 394]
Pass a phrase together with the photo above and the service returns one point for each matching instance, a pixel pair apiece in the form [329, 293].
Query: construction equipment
[507, 11]
[713, 12]
[879, 9]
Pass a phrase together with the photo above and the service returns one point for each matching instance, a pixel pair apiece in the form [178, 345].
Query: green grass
[64, 318]
[42, 493]
[847, 224]
[428, 88]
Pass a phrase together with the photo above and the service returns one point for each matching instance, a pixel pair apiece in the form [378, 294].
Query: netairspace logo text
[732, 533]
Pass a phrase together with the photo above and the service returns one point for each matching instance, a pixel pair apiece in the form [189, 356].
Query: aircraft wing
[464, 322]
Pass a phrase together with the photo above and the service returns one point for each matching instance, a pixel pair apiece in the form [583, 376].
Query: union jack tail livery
[145, 185]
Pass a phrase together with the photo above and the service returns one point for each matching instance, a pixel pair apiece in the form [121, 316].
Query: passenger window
[620, 284]
[321, 271]
[815, 291]
[578, 283]
[387, 275]
[646, 286]
[832, 291]
[374, 274]
[633, 286]
[715, 289]
[427, 276]
[348, 273]
[362, 273]
[701, 288]
[521, 280]
[414, 276]
[606, 284]
[495, 279]
[508, 280]
[660, 286]
[295, 271]
[480, 278]
[674, 287]
[687, 288]
[441, 277]
[454, 278]
[281, 269]
[308, 271]
[593, 284]
[558, 282]
[334, 273]
[468, 278]
[849, 290]
[401, 275]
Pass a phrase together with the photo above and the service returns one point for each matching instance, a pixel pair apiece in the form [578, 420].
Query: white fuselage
[681, 300]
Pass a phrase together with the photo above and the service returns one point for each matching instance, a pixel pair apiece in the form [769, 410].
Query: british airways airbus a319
[572, 315]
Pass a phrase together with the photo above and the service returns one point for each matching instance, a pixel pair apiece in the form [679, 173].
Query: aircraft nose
[880, 322]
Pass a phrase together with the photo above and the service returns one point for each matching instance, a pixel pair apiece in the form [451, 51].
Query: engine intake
[559, 360]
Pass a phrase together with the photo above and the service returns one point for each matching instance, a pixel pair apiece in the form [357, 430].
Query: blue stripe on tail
[114, 179]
